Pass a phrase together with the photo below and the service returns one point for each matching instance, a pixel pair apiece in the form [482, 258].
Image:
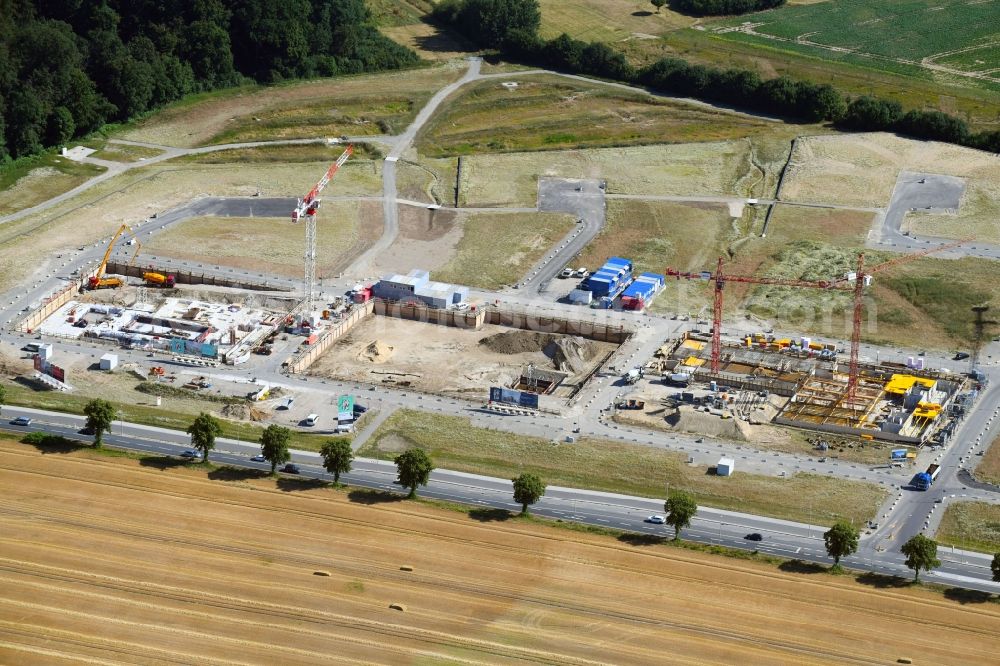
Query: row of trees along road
[414, 467]
[67, 68]
[511, 27]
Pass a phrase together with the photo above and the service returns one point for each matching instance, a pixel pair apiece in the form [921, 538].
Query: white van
[311, 419]
[344, 428]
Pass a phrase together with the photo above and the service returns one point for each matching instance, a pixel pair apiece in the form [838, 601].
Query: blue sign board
[898, 454]
[512, 397]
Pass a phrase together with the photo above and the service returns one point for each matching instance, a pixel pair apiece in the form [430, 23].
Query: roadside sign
[345, 407]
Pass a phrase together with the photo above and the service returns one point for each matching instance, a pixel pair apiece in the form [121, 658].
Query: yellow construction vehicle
[97, 280]
[159, 280]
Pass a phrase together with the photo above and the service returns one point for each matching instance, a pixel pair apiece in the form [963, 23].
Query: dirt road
[118, 560]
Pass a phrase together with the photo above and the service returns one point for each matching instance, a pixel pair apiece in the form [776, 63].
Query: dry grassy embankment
[617, 467]
[971, 525]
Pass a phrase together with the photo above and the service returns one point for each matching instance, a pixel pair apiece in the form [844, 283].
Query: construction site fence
[190, 277]
[301, 360]
[849, 431]
[600, 332]
[442, 316]
[726, 379]
[32, 320]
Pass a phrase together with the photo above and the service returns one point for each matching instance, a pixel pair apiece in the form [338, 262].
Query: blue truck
[924, 480]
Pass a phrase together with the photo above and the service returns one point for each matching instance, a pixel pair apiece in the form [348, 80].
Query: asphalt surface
[930, 193]
[584, 199]
[621, 512]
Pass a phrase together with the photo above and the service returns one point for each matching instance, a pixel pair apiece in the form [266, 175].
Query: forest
[68, 67]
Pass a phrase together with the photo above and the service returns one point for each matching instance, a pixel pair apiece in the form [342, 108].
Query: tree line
[69, 67]
[722, 7]
[511, 27]
[414, 467]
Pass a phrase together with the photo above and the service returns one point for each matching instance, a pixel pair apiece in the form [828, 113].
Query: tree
[658, 4]
[414, 468]
[528, 489]
[337, 457]
[921, 553]
[100, 415]
[489, 22]
[995, 567]
[274, 445]
[203, 430]
[841, 540]
[680, 508]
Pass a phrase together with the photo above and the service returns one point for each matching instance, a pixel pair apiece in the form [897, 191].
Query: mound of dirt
[569, 354]
[377, 352]
[518, 342]
[239, 411]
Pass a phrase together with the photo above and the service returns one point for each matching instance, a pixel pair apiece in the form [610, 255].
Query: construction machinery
[97, 280]
[855, 281]
[154, 279]
[307, 208]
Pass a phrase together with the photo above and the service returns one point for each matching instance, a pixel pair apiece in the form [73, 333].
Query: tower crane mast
[307, 208]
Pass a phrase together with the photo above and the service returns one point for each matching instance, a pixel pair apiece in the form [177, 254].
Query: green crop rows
[909, 29]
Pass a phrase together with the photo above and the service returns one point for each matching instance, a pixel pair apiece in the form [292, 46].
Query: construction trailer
[610, 280]
[725, 467]
[642, 291]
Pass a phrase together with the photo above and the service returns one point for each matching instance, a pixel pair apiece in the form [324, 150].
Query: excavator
[97, 280]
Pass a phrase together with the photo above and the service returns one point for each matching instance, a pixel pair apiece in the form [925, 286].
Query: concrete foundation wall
[189, 277]
[444, 317]
[848, 431]
[300, 361]
[50, 305]
[584, 329]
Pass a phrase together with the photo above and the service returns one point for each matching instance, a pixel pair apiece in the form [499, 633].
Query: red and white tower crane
[307, 208]
[856, 281]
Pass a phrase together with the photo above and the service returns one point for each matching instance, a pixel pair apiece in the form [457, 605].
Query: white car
[259, 458]
[656, 520]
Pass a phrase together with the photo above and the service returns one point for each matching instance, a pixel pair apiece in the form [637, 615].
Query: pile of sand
[568, 353]
[377, 352]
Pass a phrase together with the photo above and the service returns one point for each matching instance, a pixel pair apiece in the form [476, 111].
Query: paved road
[931, 193]
[784, 538]
[584, 199]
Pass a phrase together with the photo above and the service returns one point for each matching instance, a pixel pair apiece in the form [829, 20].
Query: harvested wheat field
[116, 560]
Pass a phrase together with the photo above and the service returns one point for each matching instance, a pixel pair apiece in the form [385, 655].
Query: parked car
[656, 520]
[21, 421]
[960, 356]
[291, 468]
[566, 273]
[754, 536]
[190, 453]
[259, 458]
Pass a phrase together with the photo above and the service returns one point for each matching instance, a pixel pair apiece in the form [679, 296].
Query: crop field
[363, 104]
[31, 244]
[885, 33]
[971, 526]
[711, 168]
[549, 112]
[608, 20]
[273, 245]
[617, 467]
[216, 566]
[30, 181]
[496, 249]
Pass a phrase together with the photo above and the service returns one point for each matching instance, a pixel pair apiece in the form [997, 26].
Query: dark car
[960, 356]
[360, 409]
[291, 468]
[190, 453]
[754, 536]
[86, 430]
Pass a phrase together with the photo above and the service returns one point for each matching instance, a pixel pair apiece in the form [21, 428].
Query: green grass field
[31, 180]
[497, 248]
[548, 112]
[972, 526]
[898, 29]
[178, 416]
[618, 467]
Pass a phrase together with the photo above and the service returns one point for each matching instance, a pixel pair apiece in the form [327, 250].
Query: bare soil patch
[448, 360]
[82, 578]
